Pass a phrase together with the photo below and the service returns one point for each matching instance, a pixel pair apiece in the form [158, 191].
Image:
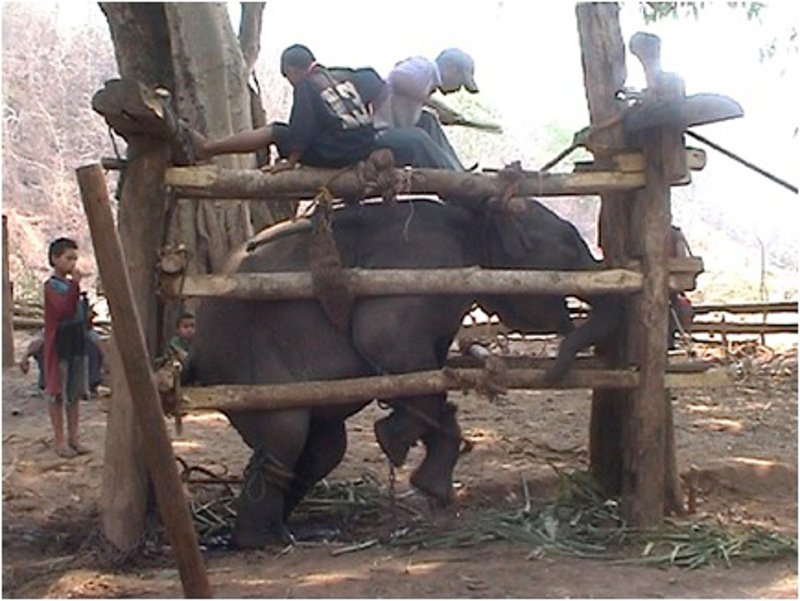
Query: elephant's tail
[604, 319]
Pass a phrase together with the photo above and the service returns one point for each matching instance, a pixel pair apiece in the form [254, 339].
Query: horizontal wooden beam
[221, 183]
[393, 282]
[727, 327]
[777, 307]
[337, 392]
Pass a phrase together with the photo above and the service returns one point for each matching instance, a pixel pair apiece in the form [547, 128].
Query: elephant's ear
[513, 237]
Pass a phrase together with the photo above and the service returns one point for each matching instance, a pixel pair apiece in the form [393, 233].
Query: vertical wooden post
[603, 60]
[157, 448]
[141, 218]
[644, 435]
[632, 449]
[8, 304]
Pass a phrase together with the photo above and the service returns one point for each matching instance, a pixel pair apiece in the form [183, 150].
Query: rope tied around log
[377, 174]
[507, 183]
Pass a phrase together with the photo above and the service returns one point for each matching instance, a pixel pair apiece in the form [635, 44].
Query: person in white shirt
[412, 81]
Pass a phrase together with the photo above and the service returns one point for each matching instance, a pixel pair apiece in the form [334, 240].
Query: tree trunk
[211, 94]
[191, 50]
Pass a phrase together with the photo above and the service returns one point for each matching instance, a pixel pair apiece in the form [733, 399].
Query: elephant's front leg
[277, 439]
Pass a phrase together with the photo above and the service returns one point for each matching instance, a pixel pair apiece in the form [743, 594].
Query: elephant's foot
[396, 434]
[259, 512]
[434, 476]
[250, 536]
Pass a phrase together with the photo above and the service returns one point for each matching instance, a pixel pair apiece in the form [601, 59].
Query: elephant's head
[524, 234]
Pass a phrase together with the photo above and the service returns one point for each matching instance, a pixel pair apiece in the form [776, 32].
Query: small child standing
[65, 344]
[184, 333]
[181, 345]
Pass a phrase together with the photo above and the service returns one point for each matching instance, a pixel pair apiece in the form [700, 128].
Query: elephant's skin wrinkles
[255, 342]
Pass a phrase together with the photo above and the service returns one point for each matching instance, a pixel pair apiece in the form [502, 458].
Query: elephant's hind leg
[277, 439]
[259, 514]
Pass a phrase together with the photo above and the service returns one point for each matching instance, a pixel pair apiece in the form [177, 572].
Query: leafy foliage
[653, 11]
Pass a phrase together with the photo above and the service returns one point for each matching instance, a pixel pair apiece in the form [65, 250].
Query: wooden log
[778, 307]
[336, 392]
[391, 282]
[123, 503]
[644, 465]
[583, 363]
[219, 183]
[8, 304]
[141, 215]
[157, 448]
[728, 327]
[331, 392]
[603, 62]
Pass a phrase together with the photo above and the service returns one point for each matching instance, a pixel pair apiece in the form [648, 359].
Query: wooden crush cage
[638, 155]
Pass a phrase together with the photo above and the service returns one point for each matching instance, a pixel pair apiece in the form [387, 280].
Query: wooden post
[603, 59]
[157, 448]
[632, 448]
[644, 434]
[8, 305]
[141, 225]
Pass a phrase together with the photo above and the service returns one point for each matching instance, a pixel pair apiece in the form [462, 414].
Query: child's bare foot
[78, 448]
[66, 452]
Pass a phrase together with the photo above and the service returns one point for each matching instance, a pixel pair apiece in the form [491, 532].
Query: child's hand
[77, 274]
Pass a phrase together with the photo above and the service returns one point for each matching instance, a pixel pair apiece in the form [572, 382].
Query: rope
[263, 469]
[378, 174]
[508, 181]
[328, 280]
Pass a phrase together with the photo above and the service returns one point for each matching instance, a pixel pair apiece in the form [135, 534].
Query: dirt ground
[740, 442]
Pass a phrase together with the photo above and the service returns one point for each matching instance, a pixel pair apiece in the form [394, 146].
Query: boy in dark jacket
[329, 125]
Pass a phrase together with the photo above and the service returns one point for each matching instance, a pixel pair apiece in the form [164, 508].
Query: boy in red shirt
[65, 340]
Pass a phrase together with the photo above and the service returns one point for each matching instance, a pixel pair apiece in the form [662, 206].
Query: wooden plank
[8, 304]
[392, 282]
[335, 392]
[304, 183]
[157, 448]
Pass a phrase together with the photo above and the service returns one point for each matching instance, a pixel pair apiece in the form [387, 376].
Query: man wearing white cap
[406, 102]
[412, 81]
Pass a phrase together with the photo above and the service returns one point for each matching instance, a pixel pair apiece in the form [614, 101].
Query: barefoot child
[65, 343]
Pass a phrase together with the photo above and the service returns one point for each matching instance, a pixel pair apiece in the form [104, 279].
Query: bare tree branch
[250, 33]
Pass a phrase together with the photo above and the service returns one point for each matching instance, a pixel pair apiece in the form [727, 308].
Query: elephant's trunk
[603, 321]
